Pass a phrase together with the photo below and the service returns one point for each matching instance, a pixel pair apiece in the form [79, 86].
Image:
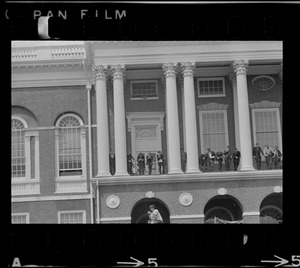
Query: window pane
[211, 87]
[17, 149]
[69, 144]
[266, 128]
[214, 133]
[143, 90]
[71, 217]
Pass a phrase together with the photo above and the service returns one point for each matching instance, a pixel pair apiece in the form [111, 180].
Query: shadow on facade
[139, 210]
[225, 207]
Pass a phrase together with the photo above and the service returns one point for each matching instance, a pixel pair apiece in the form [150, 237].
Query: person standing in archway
[154, 215]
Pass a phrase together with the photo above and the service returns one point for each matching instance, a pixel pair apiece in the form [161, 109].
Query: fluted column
[240, 69]
[173, 140]
[100, 76]
[190, 129]
[232, 78]
[119, 120]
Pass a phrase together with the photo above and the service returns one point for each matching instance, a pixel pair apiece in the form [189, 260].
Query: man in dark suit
[149, 161]
[227, 158]
[202, 162]
[277, 157]
[130, 160]
[141, 163]
[236, 155]
[257, 153]
[219, 158]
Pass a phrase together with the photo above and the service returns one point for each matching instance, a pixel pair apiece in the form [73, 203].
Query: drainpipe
[98, 205]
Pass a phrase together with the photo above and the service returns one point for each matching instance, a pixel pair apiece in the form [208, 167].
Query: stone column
[119, 120]
[232, 78]
[190, 129]
[240, 69]
[100, 75]
[173, 140]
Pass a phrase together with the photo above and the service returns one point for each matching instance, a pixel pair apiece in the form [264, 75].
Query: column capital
[118, 71]
[100, 71]
[232, 78]
[240, 66]
[170, 68]
[187, 68]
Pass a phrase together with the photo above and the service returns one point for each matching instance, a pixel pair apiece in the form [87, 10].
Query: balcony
[187, 178]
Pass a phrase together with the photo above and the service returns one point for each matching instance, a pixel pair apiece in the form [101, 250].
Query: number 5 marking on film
[153, 260]
[297, 259]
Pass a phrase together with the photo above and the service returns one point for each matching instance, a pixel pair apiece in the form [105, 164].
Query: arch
[25, 114]
[139, 210]
[225, 207]
[15, 117]
[66, 114]
[271, 209]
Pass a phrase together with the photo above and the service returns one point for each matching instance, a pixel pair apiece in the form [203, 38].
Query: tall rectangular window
[71, 217]
[213, 130]
[211, 87]
[69, 145]
[266, 127]
[18, 163]
[143, 90]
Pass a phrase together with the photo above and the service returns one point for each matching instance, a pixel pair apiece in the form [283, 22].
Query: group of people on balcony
[207, 161]
[272, 156]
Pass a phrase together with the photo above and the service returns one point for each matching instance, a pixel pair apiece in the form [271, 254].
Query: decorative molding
[212, 106]
[149, 194]
[222, 191]
[224, 177]
[170, 69]
[186, 199]
[263, 82]
[240, 66]
[145, 117]
[25, 187]
[113, 201]
[265, 104]
[187, 68]
[50, 198]
[277, 189]
[74, 184]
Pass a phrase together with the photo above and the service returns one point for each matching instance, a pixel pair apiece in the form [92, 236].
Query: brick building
[74, 102]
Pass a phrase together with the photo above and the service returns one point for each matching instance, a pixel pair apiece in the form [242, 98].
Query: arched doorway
[271, 209]
[225, 207]
[139, 210]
